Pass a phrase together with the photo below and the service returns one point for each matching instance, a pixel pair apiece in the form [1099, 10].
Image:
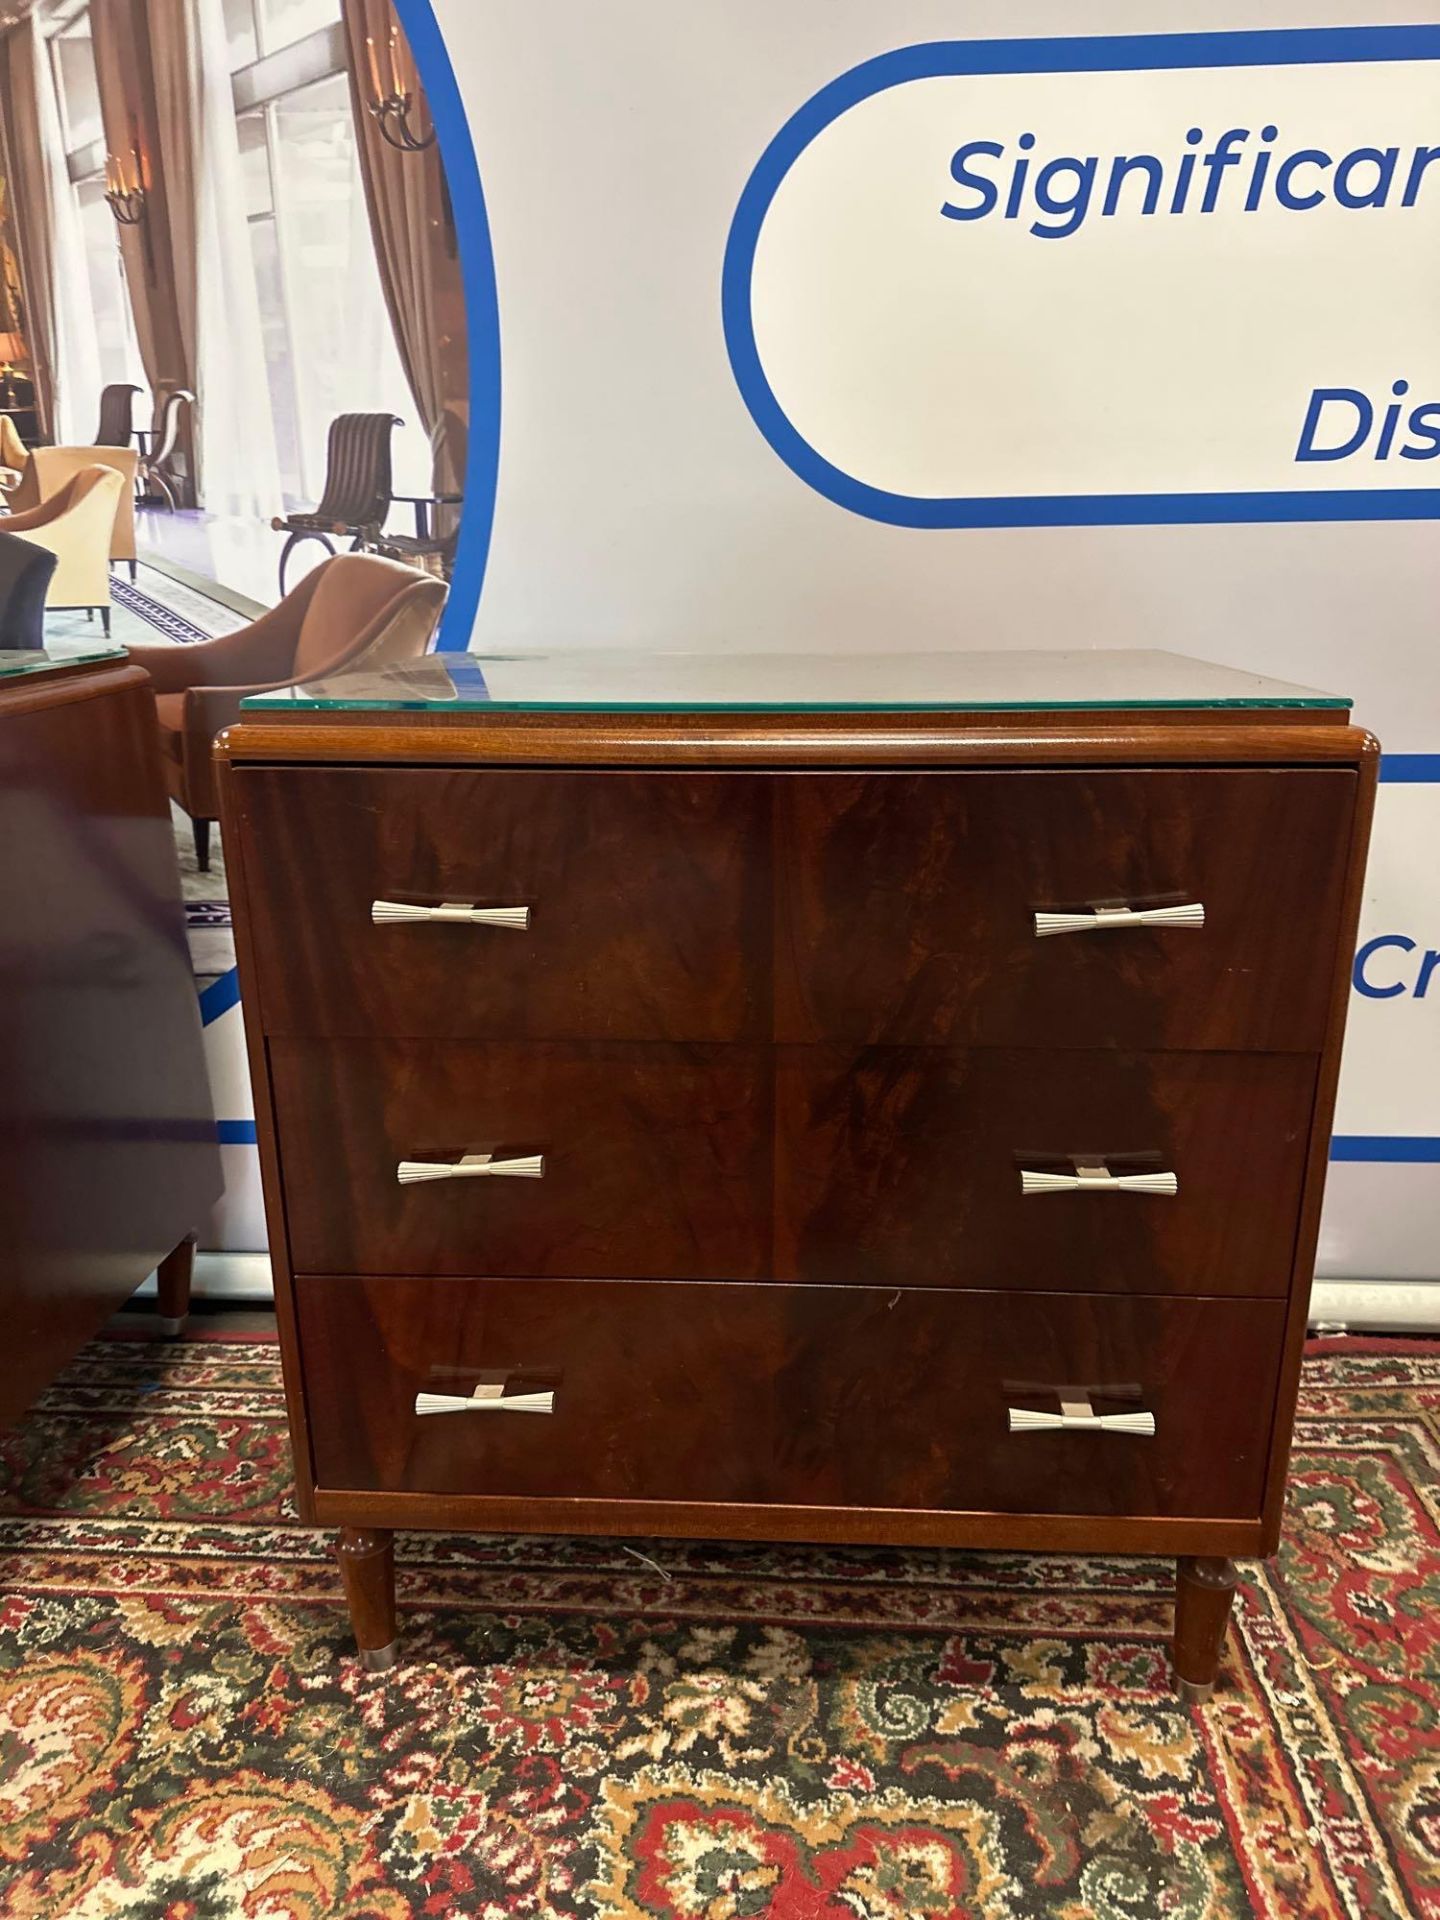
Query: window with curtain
[259, 27]
[325, 331]
[329, 348]
[105, 274]
[72, 56]
[72, 52]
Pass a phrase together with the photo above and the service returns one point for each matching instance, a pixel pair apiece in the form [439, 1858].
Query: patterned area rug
[707, 1732]
[177, 611]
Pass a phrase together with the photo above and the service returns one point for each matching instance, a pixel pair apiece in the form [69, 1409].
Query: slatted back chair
[359, 487]
[155, 477]
[117, 416]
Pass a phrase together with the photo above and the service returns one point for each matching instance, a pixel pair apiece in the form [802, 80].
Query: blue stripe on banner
[1394, 1149]
[1409, 769]
[236, 1133]
[467, 676]
[219, 997]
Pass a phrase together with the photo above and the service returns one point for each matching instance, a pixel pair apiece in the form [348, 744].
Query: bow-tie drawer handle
[386, 913]
[1023, 1420]
[472, 1166]
[507, 1403]
[1098, 1180]
[1099, 919]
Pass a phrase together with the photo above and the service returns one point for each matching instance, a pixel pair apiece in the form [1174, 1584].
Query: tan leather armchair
[13, 450]
[355, 610]
[75, 525]
[48, 469]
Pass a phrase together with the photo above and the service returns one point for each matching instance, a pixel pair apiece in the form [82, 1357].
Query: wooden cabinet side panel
[1340, 963]
[248, 964]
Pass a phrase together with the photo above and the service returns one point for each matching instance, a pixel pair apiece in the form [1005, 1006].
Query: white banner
[841, 327]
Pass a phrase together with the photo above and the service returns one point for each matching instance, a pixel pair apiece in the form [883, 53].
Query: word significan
[1232, 173]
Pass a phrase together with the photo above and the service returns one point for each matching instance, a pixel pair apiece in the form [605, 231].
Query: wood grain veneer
[822, 1396]
[783, 1024]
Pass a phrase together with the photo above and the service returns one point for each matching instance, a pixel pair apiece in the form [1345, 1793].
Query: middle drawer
[915, 1167]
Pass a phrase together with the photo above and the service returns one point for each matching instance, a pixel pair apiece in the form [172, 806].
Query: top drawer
[649, 899]
[879, 907]
[909, 907]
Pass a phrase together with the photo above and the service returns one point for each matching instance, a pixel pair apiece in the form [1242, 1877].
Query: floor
[206, 557]
[242, 554]
[156, 605]
[207, 903]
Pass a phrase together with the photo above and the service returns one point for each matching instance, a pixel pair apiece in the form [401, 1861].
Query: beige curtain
[164, 80]
[21, 53]
[415, 251]
[141, 63]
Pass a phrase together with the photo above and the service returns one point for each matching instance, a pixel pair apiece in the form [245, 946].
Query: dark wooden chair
[25, 573]
[431, 547]
[158, 446]
[117, 416]
[358, 489]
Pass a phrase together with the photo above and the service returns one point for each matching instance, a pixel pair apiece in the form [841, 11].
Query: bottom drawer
[791, 1395]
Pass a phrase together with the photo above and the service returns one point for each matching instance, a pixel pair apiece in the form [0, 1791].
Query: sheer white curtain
[373, 373]
[239, 467]
[76, 371]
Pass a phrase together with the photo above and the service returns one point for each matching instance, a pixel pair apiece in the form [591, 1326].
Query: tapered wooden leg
[1204, 1590]
[367, 1566]
[172, 1285]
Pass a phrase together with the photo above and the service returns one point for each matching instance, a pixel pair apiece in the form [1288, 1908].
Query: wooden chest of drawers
[900, 1126]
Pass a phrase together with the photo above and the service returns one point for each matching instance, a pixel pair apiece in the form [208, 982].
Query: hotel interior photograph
[719, 1074]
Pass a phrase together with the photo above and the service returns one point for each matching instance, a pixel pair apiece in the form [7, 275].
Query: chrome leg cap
[172, 1325]
[380, 1659]
[1194, 1692]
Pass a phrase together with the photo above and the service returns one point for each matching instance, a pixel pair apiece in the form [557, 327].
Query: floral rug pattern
[694, 1732]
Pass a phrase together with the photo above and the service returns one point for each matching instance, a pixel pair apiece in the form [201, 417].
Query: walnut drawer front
[898, 908]
[648, 900]
[652, 1160]
[882, 1166]
[908, 907]
[1058, 1169]
[791, 1395]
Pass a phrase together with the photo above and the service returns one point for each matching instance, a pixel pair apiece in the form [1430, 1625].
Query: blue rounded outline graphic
[1320, 46]
[482, 317]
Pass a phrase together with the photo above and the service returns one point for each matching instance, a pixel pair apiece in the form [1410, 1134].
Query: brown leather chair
[353, 611]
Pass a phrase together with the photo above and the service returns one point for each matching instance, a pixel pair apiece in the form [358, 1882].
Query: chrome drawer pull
[472, 1166]
[390, 912]
[1098, 1180]
[511, 1403]
[1098, 918]
[1022, 1420]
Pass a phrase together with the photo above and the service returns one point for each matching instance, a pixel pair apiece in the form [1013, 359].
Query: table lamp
[12, 350]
